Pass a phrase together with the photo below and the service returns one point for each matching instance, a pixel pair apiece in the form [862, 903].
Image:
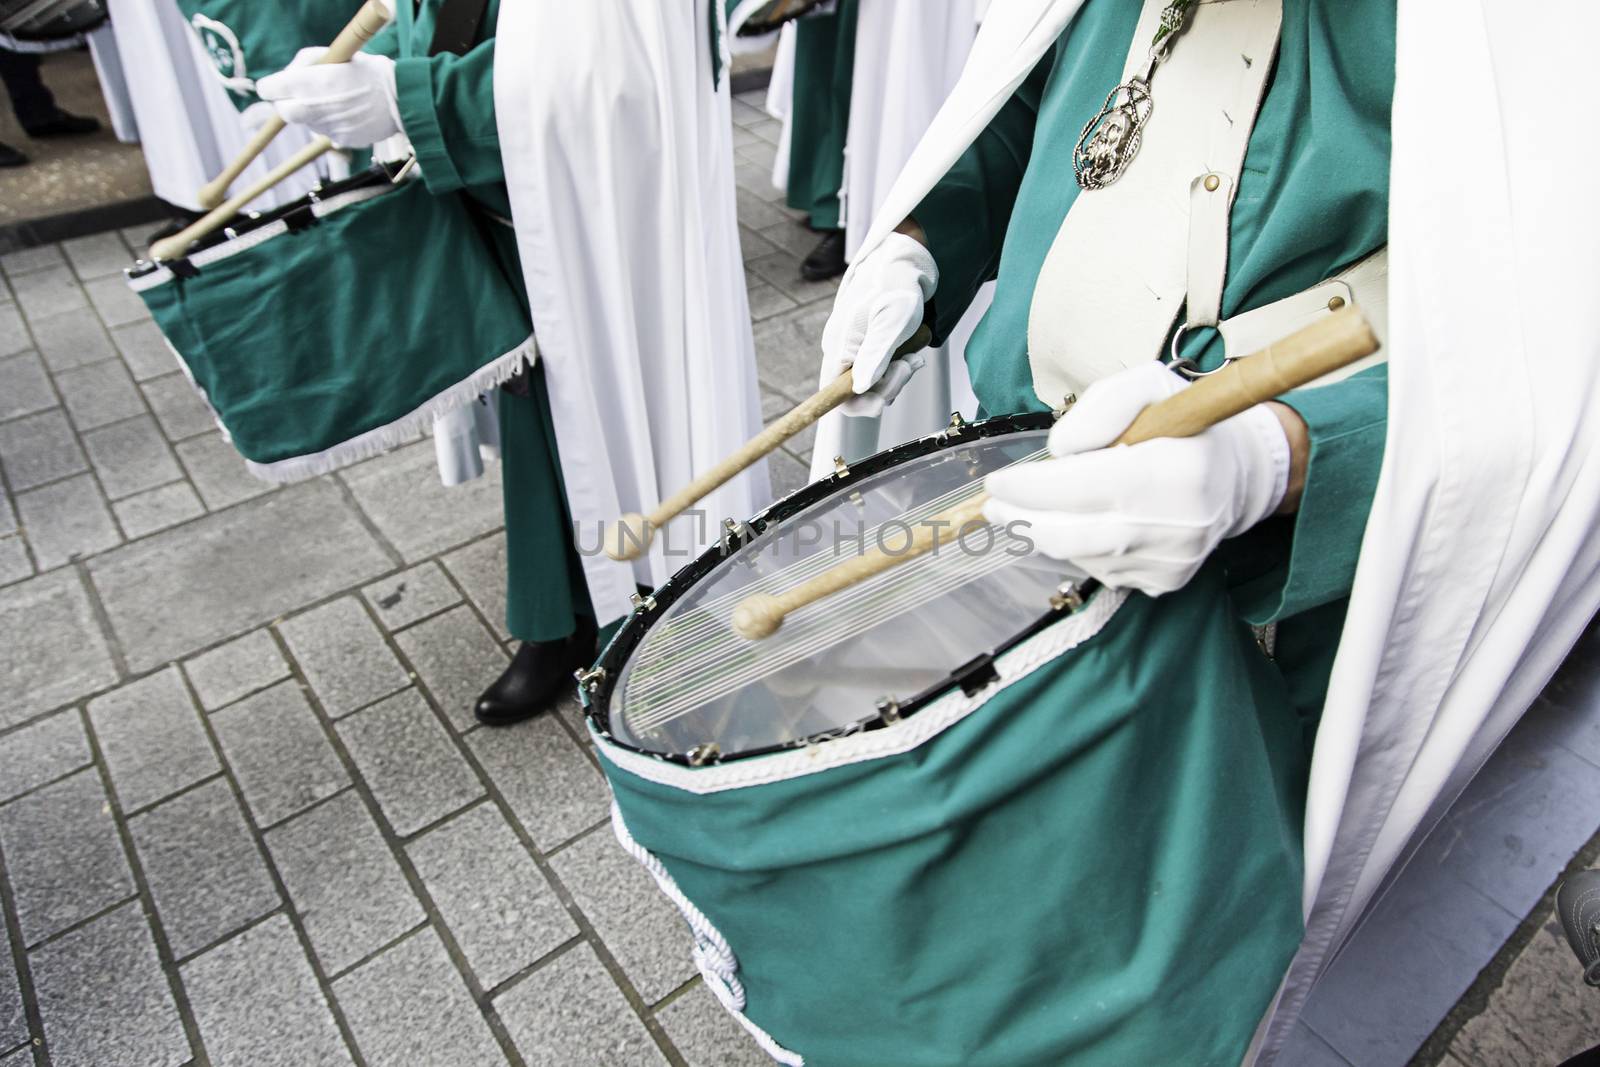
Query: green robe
[446, 105]
[1313, 198]
[819, 118]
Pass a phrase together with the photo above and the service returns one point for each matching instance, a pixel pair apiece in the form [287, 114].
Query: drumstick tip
[630, 536]
[757, 616]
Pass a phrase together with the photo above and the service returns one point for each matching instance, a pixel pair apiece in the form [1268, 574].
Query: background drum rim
[597, 686]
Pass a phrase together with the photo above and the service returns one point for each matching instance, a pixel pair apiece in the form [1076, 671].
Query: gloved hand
[877, 310]
[352, 104]
[1143, 516]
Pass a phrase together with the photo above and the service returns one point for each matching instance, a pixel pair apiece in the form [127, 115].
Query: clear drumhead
[692, 682]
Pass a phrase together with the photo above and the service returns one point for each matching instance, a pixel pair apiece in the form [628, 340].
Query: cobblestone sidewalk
[245, 815]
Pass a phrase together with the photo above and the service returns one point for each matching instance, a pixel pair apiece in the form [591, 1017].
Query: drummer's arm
[963, 220]
[1337, 432]
[447, 108]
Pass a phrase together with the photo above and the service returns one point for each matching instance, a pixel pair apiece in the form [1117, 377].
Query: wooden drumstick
[1325, 346]
[175, 246]
[372, 17]
[631, 534]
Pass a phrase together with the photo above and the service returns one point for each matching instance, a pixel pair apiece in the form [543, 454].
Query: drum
[46, 22]
[970, 812]
[769, 17]
[342, 324]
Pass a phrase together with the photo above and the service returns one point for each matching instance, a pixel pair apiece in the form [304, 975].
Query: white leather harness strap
[1119, 269]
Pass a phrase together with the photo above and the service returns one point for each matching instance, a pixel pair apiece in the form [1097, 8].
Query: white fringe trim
[392, 435]
[903, 736]
[719, 967]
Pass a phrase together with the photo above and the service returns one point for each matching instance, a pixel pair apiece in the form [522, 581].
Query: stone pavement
[245, 816]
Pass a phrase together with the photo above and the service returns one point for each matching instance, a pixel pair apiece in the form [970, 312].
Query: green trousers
[825, 53]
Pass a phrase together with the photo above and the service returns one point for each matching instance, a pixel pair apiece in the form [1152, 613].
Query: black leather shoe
[539, 673]
[1578, 905]
[64, 124]
[826, 260]
[10, 157]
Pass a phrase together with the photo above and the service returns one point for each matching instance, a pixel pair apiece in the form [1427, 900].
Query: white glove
[877, 310]
[1143, 516]
[352, 104]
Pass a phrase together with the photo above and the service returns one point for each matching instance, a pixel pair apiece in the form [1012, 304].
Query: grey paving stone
[456, 659]
[39, 448]
[144, 350]
[22, 1057]
[14, 335]
[408, 1006]
[401, 599]
[97, 255]
[1541, 1013]
[343, 655]
[13, 1019]
[770, 130]
[706, 1034]
[99, 394]
[131, 457]
[115, 302]
[236, 669]
[401, 493]
[189, 587]
[761, 153]
[8, 516]
[757, 213]
[63, 855]
[152, 739]
[257, 1003]
[787, 472]
[781, 269]
[753, 246]
[746, 115]
[497, 905]
[14, 562]
[409, 761]
[204, 870]
[279, 754]
[636, 921]
[766, 301]
[569, 1013]
[71, 339]
[787, 352]
[180, 409]
[65, 520]
[47, 292]
[157, 509]
[24, 260]
[40, 617]
[553, 789]
[480, 568]
[104, 999]
[24, 385]
[344, 882]
[137, 238]
[42, 752]
[219, 472]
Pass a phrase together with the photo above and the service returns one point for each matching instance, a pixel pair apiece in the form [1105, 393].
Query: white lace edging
[718, 966]
[903, 736]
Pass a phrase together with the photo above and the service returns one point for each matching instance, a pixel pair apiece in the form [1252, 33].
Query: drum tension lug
[1066, 597]
[301, 218]
[589, 680]
[956, 425]
[976, 674]
[1066, 405]
[841, 469]
[734, 535]
[182, 268]
[888, 710]
[642, 602]
[700, 755]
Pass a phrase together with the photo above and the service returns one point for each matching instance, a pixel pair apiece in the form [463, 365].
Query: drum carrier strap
[457, 27]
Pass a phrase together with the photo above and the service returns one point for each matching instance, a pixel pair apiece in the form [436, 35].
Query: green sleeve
[1348, 421]
[447, 107]
[965, 216]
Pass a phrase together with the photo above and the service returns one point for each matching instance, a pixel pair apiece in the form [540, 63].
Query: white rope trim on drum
[260, 235]
[903, 736]
[718, 965]
[381, 439]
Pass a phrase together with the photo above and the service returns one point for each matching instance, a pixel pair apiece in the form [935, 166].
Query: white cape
[1481, 561]
[619, 162]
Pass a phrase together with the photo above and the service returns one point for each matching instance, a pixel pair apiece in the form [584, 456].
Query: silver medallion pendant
[1111, 139]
